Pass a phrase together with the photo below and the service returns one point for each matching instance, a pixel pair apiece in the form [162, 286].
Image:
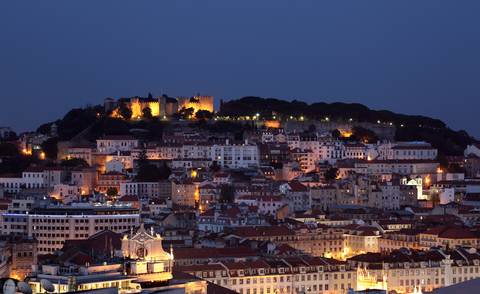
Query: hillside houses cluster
[275, 211]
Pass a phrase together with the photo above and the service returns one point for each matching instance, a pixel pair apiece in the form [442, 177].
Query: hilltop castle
[161, 107]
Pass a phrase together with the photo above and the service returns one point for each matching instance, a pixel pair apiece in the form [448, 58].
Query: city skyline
[251, 147]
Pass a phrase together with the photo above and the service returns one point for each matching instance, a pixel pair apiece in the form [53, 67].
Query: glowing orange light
[427, 180]
[193, 174]
[273, 124]
[26, 151]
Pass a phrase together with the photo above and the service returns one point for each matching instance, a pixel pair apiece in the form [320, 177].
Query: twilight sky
[415, 57]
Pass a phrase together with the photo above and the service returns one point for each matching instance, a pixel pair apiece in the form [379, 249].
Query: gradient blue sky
[415, 57]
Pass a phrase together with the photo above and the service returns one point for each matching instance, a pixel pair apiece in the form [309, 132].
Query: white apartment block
[111, 144]
[81, 152]
[385, 196]
[332, 151]
[402, 167]
[52, 226]
[289, 275]
[32, 179]
[355, 151]
[405, 270]
[235, 155]
[406, 151]
[164, 151]
[144, 190]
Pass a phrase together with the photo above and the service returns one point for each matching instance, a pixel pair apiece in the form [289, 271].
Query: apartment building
[239, 155]
[405, 270]
[51, 226]
[317, 241]
[288, 275]
[112, 144]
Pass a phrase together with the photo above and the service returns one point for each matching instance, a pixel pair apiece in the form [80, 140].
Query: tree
[435, 198]
[364, 135]
[331, 174]
[336, 134]
[152, 173]
[142, 157]
[50, 148]
[215, 167]
[8, 149]
[186, 113]
[150, 96]
[147, 113]
[9, 136]
[75, 121]
[112, 191]
[204, 114]
[74, 162]
[227, 194]
[148, 172]
[164, 172]
[125, 112]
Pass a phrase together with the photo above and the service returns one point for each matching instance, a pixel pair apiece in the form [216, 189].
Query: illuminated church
[145, 256]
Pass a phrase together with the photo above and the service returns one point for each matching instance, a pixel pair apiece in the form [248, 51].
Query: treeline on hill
[408, 127]
[320, 110]
[91, 122]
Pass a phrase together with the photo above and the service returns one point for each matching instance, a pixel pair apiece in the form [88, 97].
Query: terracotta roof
[451, 232]
[128, 198]
[296, 186]
[260, 231]
[413, 147]
[117, 137]
[213, 253]
[472, 197]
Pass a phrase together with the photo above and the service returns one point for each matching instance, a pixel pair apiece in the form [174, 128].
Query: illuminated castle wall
[161, 106]
[196, 102]
[137, 106]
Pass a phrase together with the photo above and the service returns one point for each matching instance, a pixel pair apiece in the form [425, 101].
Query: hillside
[91, 122]
[408, 127]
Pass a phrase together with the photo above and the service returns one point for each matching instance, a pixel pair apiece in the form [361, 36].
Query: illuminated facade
[289, 275]
[197, 103]
[407, 271]
[368, 280]
[163, 107]
[146, 258]
[138, 105]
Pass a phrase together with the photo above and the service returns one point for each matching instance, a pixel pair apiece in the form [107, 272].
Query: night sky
[415, 57]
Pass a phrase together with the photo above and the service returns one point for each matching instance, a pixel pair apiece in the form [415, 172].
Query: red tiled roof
[207, 253]
[260, 231]
[296, 186]
[451, 232]
[413, 147]
[128, 198]
[117, 137]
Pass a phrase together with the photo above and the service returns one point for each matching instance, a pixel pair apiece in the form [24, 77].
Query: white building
[235, 155]
[111, 144]
[289, 275]
[52, 226]
[407, 151]
[33, 178]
